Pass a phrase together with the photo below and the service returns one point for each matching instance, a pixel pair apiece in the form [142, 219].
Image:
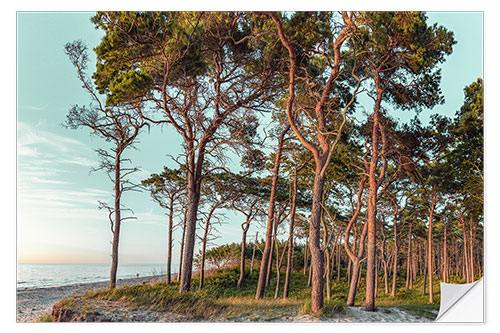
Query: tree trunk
[386, 278]
[425, 272]
[169, 241]
[271, 253]
[445, 254]
[372, 210]
[471, 247]
[253, 252]
[317, 261]
[194, 188]
[204, 245]
[384, 263]
[117, 223]
[244, 227]
[305, 255]
[408, 261]
[395, 260]
[261, 284]
[181, 256]
[289, 262]
[353, 285]
[429, 243]
[338, 263]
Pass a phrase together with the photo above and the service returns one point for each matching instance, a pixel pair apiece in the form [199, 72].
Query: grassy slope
[220, 299]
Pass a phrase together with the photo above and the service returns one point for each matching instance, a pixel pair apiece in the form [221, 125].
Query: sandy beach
[32, 303]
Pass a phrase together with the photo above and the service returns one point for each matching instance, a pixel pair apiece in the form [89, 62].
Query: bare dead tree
[119, 126]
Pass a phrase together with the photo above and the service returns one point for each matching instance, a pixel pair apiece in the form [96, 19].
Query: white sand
[32, 303]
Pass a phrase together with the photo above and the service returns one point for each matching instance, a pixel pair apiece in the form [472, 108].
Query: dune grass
[219, 299]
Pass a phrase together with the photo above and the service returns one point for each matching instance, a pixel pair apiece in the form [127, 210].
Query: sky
[57, 215]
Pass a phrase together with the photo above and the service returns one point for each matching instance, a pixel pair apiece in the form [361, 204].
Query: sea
[40, 275]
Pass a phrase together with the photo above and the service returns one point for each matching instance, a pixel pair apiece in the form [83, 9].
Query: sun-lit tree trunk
[372, 210]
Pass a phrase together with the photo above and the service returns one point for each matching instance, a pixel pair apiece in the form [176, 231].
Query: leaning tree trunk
[261, 284]
[117, 223]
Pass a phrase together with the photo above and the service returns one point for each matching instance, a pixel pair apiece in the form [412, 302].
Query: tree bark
[289, 263]
[372, 212]
[445, 254]
[194, 189]
[117, 222]
[244, 227]
[181, 256]
[396, 253]
[338, 263]
[261, 284]
[471, 247]
[408, 261]
[306, 261]
[429, 243]
[169, 241]
[317, 261]
[204, 245]
[253, 252]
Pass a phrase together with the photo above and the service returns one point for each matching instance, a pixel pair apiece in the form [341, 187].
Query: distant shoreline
[120, 281]
[32, 303]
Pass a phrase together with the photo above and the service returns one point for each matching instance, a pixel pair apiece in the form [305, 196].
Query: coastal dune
[32, 303]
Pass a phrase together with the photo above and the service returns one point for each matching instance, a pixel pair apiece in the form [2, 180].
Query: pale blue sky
[58, 219]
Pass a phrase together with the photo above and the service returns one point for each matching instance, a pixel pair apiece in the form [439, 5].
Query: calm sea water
[53, 275]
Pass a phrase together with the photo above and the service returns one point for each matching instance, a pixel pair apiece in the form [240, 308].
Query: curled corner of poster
[462, 303]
